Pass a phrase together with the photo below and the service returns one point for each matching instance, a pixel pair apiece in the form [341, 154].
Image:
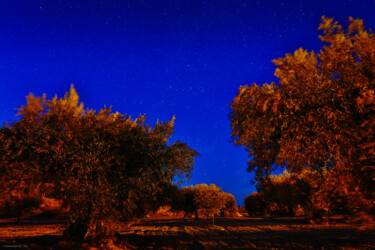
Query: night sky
[162, 58]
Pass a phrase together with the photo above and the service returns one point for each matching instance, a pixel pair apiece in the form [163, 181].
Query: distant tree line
[203, 199]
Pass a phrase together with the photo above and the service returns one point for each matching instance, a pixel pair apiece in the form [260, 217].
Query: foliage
[164, 197]
[320, 117]
[255, 204]
[205, 198]
[230, 204]
[19, 203]
[185, 201]
[285, 193]
[282, 195]
[102, 165]
[209, 198]
[297, 194]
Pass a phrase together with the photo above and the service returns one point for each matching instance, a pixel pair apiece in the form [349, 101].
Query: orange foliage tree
[210, 199]
[284, 194]
[104, 166]
[320, 116]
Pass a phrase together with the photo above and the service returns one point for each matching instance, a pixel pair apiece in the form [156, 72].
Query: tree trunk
[19, 216]
[89, 230]
[213, 219]
[76, 231]
[196, 215]
[99, 230]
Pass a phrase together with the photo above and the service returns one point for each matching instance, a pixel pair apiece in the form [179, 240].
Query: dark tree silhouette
[283, 195]
[255, 204]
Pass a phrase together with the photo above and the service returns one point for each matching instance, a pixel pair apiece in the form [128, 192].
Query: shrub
[255, 204]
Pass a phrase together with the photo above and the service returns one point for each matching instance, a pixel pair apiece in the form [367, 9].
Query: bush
[255, 205]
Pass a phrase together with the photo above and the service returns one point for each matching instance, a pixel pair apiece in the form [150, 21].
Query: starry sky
[162, 58]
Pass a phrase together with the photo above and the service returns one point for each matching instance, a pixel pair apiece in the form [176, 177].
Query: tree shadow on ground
[246, 233]
[228, 233]
[240, 221]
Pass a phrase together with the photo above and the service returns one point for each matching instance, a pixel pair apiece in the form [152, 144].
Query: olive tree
[103, 165]
[319, 116]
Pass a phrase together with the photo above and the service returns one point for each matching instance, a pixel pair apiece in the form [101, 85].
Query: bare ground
[174, 233]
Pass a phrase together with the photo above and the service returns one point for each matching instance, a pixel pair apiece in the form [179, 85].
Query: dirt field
[228, 233]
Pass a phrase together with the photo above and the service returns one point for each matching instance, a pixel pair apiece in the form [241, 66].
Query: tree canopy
[319, 116]
[102, 165]
[208, 199]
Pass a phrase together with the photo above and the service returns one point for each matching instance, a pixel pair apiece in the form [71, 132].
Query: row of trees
[317, 122]
[297, 194]
[103, 166]
[319, 119]
[203, 198]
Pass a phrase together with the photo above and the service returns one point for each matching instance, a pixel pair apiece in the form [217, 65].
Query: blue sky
[162, 58]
